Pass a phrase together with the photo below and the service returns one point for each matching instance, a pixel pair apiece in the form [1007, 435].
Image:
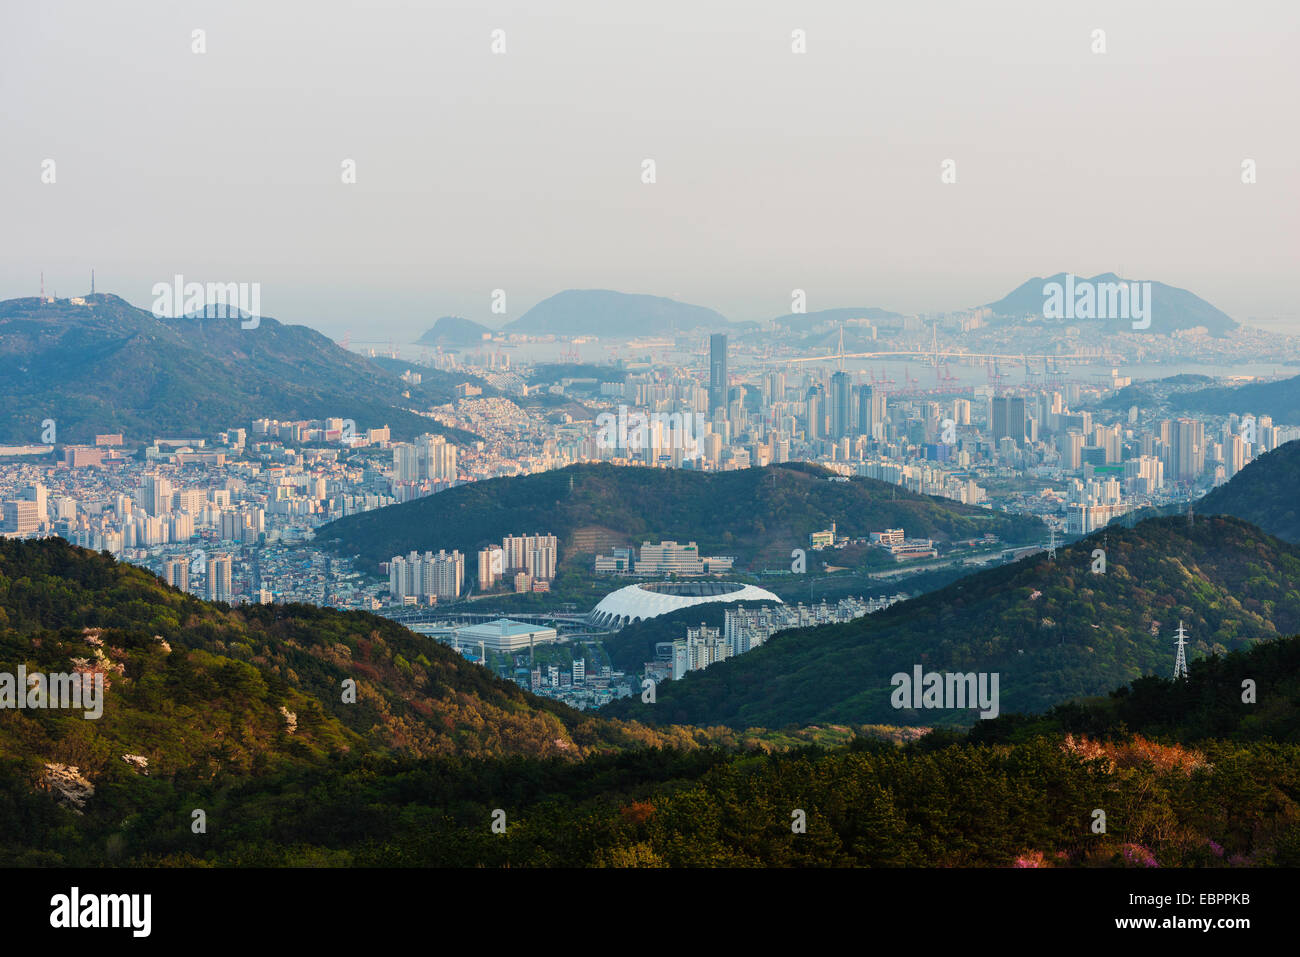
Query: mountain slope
[111, 367]
[1280, 399]
[1264, 493]
[603, 312]
[349, 789]
[758, 515]
[198, 688]
[1051, 630]
[1171, 308]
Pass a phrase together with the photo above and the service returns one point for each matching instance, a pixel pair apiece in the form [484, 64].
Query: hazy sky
[522, 171]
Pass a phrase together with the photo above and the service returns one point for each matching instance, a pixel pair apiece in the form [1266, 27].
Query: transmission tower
[1180, 665]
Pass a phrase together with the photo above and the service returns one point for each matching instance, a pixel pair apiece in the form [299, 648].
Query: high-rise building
[428, 457]
[816, 413]
[841, 406]
[491, 566]
[156, 495]
[219, 576]
[1008, 418]
[40, 495]
[21, 517]
[718, 385]
[190, 500]
[1187, 449]
[426, 576]
[176, 572]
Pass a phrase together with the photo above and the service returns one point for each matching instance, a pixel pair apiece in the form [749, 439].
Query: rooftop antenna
[1180, 665]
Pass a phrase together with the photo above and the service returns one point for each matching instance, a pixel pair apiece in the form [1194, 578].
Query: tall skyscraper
[1188, 449]
[1008, 418]
[717, 373]
[841, 407]
[816, 413]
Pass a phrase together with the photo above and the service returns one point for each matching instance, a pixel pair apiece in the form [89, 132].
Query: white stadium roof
[651, 599]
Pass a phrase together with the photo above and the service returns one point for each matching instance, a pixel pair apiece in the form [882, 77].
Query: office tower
[21, 518]
[219, 589]
[1187, 449]
[717, 372]
[961, 411]
[37, 493]
[579, 671]
[176, 572]
[816, 413]
[841, 406]
[775, 387]
[1008, 417]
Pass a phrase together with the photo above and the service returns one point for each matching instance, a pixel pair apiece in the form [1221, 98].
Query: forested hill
[1052, 629]
[202, 689]
[194, 722]
[757, 515]
[108, 366]
[1246, 695]
[1264, 492]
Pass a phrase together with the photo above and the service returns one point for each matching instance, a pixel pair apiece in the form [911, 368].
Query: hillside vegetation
[1052, 630]
[757, 515]
[111, 367]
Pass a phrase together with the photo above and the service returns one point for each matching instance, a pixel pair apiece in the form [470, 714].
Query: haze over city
[774, 170]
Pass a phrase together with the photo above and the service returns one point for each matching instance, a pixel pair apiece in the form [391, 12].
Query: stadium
[650, 599]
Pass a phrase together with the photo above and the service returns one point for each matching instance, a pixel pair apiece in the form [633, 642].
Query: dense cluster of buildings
[665, 558]
[426, 578]
[745, 629]
[527, 562]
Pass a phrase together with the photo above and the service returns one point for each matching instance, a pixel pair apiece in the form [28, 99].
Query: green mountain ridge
[110, 367]
[1262, 493]
[1052, 630]
[387, 785]
[757, 515]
